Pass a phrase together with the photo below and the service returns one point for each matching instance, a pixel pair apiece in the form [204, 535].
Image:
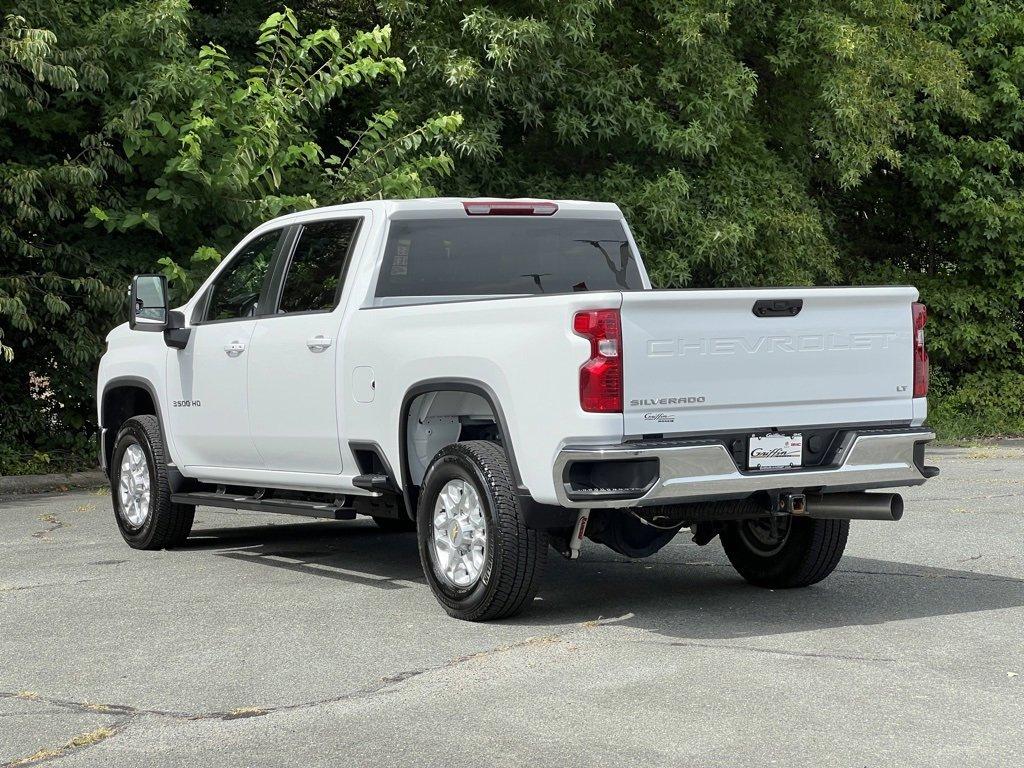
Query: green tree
[125, 148]
[721, 126]
[761, 142]
[950, 219]
[750, 142]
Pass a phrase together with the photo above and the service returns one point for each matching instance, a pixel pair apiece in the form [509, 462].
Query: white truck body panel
[521, 349]
[294, 391]
[701, 361]
[207, 397]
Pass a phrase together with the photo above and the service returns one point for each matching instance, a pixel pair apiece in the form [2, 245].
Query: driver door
[207, 381]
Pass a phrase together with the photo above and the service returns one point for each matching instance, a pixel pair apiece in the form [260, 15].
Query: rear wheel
[785, 552]
[140, 491]
[480, 559]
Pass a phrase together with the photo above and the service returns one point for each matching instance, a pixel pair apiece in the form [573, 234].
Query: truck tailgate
[753, 359]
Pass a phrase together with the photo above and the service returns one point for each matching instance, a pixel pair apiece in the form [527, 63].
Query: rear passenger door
[293, 366]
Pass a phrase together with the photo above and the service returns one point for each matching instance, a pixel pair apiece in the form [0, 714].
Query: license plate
[775, 451]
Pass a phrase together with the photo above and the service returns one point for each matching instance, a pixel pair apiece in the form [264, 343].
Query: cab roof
[444, 207]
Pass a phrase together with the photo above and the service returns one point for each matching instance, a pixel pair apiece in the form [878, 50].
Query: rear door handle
[319, 343]
[234, 349]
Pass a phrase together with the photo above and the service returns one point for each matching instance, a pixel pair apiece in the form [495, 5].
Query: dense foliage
[950, 219]
[751, 142]
[126, 147]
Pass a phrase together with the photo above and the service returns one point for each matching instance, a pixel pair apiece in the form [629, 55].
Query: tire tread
[171, 523]
[807, 558]
[523, 551]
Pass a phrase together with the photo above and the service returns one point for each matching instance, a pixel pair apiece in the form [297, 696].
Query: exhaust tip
[896, 507]
[857, 505]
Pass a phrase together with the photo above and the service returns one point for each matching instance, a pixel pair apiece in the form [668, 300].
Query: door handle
[319, 343]
[234, 349]
[778, 307]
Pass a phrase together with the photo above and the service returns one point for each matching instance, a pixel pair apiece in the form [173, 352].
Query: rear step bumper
[703, 469]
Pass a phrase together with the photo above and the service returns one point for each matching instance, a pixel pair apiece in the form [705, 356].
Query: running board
[320, 509]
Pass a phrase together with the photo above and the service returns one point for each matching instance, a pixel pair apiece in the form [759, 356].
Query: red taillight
[509, 208]
[601, 375]
[920, 314]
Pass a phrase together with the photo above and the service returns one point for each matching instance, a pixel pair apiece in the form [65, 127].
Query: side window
[313, 282]
[236, 292]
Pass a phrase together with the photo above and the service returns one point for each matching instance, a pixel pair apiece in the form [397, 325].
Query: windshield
[487, 255]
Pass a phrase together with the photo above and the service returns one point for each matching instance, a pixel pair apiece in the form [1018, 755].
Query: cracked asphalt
[275, 641]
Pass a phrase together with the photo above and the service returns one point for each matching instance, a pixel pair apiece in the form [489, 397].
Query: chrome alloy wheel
[460, 534]
[134, 486]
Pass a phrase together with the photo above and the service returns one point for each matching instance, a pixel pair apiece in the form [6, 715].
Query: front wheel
[480, 559]
[785, 552]
[140, 490]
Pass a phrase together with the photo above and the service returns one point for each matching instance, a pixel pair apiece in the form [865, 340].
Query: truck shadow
[684, 592]
[358, 553]
[696, 595]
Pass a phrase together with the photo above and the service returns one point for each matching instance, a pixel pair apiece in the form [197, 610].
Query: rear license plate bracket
[775, 450]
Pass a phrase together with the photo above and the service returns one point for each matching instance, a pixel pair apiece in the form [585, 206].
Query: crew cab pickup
[500, 377]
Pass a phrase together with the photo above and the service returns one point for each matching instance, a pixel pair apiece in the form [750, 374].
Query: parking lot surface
[275, 641]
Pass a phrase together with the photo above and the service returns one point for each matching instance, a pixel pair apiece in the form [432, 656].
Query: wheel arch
[122, 398]
[454, 384]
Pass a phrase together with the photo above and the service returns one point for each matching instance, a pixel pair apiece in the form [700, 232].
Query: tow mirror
[148, 310]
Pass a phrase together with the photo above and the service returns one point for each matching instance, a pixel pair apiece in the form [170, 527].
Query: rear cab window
[505, 256]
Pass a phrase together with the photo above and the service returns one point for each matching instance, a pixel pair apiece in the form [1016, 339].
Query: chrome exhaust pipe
[855, 506]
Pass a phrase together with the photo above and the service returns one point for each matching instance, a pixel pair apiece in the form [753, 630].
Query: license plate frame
[775, 451]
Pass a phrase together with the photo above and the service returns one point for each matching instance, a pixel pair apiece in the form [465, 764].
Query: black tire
[808, 552]
[395, 524]
[515, 556]
[167, 525]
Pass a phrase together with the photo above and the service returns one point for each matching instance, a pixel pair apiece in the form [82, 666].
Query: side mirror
[148, 310]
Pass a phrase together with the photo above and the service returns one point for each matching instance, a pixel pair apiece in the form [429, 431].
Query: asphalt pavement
[276, 641]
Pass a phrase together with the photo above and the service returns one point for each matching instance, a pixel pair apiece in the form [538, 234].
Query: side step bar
[321, 509]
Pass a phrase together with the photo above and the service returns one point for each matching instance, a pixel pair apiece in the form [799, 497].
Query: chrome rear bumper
[704, 469]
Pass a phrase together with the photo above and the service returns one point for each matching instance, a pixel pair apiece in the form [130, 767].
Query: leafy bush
[949, 217]
[750, 142]
[124, 148]
[989, 404]
[724, 128]
[40, 462]
[760, 142]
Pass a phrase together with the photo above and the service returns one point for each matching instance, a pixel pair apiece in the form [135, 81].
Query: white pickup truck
[499, 376]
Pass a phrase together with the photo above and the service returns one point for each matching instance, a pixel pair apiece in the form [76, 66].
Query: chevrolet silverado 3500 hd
[499, 376]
